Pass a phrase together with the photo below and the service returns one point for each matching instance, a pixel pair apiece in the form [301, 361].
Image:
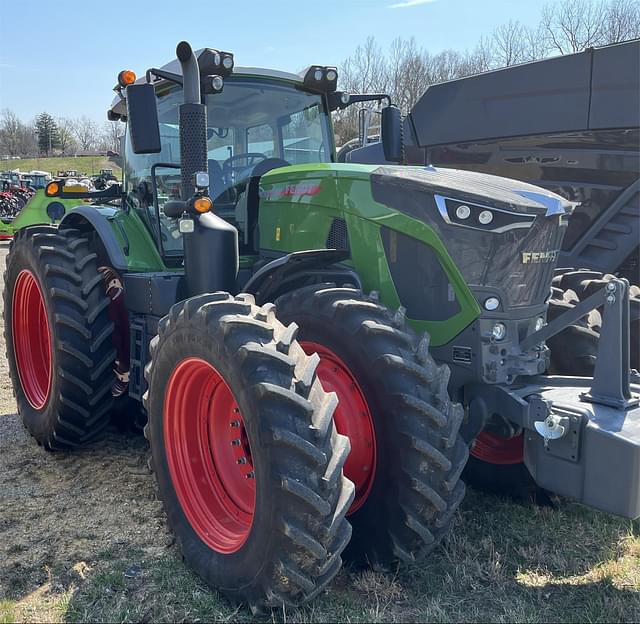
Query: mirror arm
[354, 98]
[160, 73]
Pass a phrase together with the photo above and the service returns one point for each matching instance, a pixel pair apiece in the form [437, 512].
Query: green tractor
[315, 345]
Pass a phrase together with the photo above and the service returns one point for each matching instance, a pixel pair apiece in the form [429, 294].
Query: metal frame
[611, 376]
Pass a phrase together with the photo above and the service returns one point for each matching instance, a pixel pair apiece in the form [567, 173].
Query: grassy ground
[90, 165]
[82, 538]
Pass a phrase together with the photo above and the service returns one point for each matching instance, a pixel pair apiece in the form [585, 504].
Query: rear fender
[87, 218]
[125, 239]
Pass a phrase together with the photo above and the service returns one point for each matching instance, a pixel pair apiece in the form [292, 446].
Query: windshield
[252, 121]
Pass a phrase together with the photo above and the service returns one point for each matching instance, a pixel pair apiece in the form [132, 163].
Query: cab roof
[118, 105]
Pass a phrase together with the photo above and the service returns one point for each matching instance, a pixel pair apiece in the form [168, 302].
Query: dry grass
[89, 165]
[71, 525]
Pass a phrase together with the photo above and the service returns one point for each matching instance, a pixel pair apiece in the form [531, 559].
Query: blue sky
[65, 59]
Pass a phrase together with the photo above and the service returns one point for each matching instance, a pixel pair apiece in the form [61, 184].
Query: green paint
[130, 231]
[298, 205]
[35, 213]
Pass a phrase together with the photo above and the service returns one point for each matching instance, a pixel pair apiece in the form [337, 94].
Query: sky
[65, 60]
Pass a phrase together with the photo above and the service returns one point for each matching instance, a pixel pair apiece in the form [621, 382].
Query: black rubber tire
[575, 348]
[77, 410]
[299, 529]
[583, 283]
[420, 455]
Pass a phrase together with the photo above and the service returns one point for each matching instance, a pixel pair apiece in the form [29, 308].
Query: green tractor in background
[37, 210]
[316, 345]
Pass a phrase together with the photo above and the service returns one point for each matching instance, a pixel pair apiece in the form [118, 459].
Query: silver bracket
[562, 431]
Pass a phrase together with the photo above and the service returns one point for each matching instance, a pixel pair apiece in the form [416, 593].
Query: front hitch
[611, 375]
[581, 434]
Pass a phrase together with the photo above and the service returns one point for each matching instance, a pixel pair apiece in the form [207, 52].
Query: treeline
[405, 70]
[49, 136]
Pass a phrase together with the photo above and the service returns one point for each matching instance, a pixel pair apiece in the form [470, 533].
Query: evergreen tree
[48, 134]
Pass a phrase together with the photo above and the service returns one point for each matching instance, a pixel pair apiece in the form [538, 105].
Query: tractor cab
[260, 121]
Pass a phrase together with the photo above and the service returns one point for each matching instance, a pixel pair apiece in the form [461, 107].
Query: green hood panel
[299, 204]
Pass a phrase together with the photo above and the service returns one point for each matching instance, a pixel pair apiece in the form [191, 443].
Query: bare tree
[86, 132]
[573, 25]
[509, 44]
[365, 71]
[622, 21]
[536, 44]
[481, 59]
[112, 131]
[11, 129]
[66, 139]
[407, 72]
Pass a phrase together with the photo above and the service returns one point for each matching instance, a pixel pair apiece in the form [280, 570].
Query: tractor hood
[504, 235]
[479, 188]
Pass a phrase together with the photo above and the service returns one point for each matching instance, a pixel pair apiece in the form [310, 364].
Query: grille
[338, 237]
[462, 354]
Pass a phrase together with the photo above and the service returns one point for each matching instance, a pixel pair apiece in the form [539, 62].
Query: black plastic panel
[594, 89]
[507, 102]
[615, 91]
[419, 279]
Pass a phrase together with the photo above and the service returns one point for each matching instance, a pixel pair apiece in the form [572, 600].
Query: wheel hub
[352, 418]
[209, 455]
[494, 449]
[31, 339]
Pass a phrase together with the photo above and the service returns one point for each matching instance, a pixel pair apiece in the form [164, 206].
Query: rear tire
[277, 542]
[60, 358]
[409, 505]
[577, 285]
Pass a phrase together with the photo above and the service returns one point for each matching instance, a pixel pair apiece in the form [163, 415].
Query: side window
[302, 137]
[260, 140]
[137, 169]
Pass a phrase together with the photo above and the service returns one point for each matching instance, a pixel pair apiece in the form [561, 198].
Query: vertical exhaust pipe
[211, 250]
[193, 121]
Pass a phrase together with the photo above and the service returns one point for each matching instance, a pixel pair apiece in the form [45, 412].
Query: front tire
[406, 456]
[247, 461]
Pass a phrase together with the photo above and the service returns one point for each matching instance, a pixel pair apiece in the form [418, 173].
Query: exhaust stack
[211, 250]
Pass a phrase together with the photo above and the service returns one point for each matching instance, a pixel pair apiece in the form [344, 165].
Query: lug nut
[242, 460]
[236, 442]
[235, 423]
[251, 475]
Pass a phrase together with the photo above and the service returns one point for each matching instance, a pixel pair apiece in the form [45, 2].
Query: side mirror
[142, 118]
[391, 131]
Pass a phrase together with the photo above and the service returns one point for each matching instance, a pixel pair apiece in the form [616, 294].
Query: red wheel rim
[31, 339]
[209, 456]
[352, 418]
[496, 450]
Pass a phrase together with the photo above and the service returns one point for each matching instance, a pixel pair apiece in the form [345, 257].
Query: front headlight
[499, 331]
[478, 217]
